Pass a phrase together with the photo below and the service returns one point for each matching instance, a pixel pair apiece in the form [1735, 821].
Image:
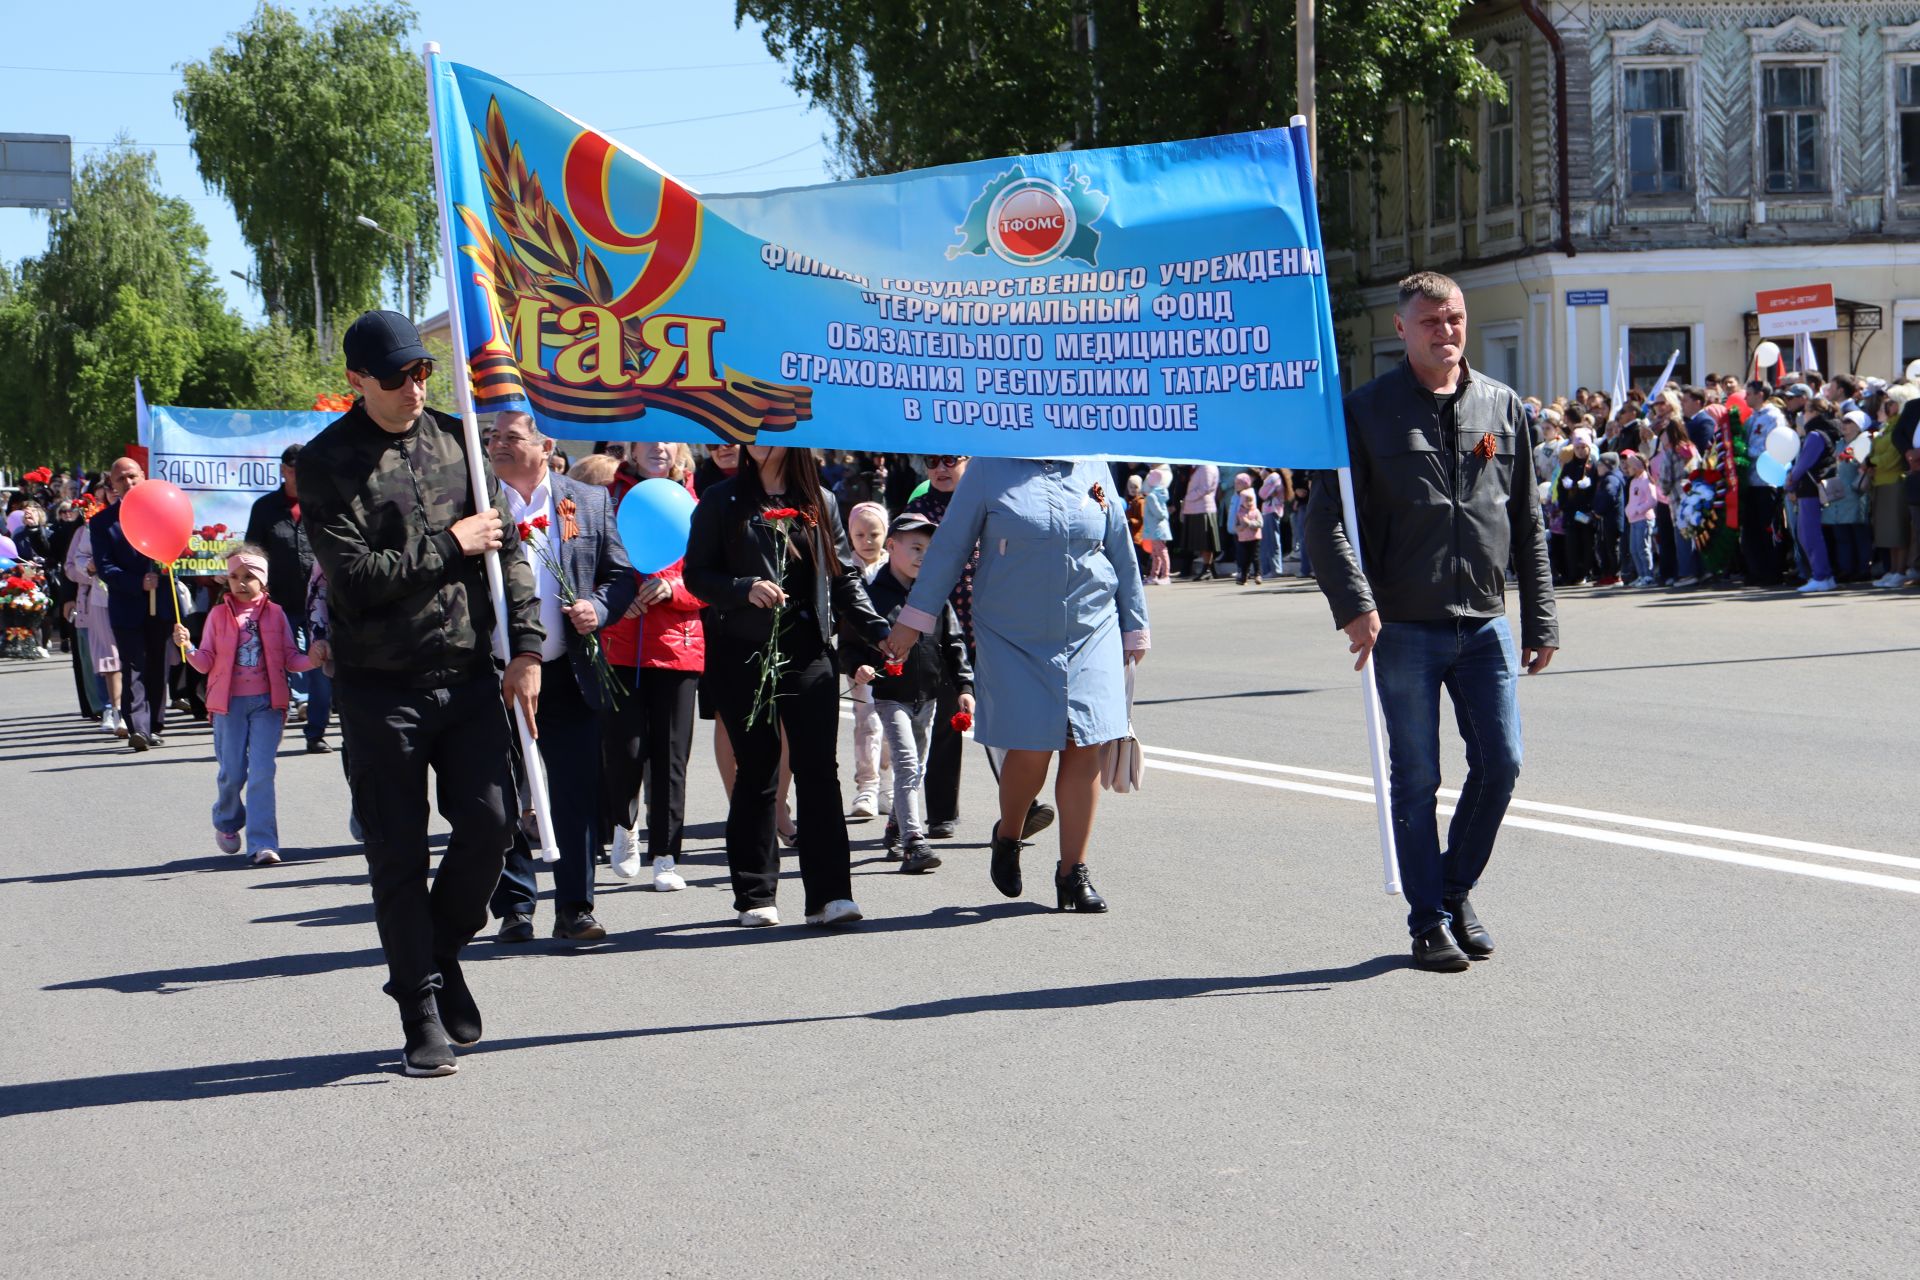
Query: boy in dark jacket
[905, 696]
[1610, 513]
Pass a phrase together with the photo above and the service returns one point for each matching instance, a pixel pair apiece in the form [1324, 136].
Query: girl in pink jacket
[1641, 501]
[246, 651]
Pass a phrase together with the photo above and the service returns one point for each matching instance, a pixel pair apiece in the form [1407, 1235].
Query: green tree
[305, 128]
[911, 83]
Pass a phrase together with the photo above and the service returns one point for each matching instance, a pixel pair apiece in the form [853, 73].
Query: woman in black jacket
[732, 564]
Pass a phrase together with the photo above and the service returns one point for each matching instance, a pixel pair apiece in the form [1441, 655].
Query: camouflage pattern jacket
[405, 606]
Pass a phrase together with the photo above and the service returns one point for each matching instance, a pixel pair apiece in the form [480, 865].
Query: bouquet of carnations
[770, 663]
[542, 546]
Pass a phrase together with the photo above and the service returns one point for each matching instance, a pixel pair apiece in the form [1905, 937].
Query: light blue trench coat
[1056, 598]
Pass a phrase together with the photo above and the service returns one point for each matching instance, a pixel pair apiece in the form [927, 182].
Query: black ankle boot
[459, 1015]
[427, 1052]
[1005, 868]
[1471, 936]
[1075, 891]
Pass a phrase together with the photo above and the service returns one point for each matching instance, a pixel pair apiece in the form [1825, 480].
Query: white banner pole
[1370, 698]
[549, 850]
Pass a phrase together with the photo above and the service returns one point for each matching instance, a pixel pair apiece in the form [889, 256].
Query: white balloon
[1766, 355]
[1861, 447]
[1784, 444]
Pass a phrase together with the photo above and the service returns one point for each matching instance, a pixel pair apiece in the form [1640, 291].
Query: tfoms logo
[1030, 221]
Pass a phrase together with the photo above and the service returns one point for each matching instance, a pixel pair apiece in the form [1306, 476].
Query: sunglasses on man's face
[418, 371]
[947, 459]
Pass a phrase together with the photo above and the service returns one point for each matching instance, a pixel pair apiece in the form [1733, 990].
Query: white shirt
[544, 587]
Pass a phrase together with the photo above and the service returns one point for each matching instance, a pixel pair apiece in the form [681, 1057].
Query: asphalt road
[1693, 1054]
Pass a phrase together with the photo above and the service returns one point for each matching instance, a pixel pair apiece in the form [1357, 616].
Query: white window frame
[1499, 58]
[1659, 44]
[1385, 254]
[1505, 331]
[1797, 42]
[1902, 46]
[1430, 189]
[1904, 309]
[1387, 347]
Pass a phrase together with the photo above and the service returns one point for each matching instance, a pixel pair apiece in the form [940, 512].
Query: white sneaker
[1818, 584]
[865, 805]
[1686, 582]
[760, 917]
[665, 878]
[839, 911]
[354, 829]
[626, 853]
[265, 858]
[227, 841]
[110, 722]
[886, 801]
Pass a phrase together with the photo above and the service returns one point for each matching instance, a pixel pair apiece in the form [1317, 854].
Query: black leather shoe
[459, 1015]
[1435, 952]
[1467, 929]
[138, 740]
[578, 926]
[1074, 891]
[940, 830]
[1039, 818]
[318, 747]
[1005, 867]
[515, 926]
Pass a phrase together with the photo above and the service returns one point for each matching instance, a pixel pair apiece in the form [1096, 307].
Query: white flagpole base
[1376, 721]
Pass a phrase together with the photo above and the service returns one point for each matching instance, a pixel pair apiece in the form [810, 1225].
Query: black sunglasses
[947, 459]
[418, 371]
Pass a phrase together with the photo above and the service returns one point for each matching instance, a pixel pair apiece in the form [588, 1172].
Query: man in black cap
[274, 525]
[387, 506]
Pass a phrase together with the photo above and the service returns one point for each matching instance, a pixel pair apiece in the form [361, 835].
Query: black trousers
[82, 658]
[144, 650]
[648, 737]
[809, 709]
[570, 749]
[1759, 513]
[1579, 549]
[397, 734]
[943, 760]
[1607, 551]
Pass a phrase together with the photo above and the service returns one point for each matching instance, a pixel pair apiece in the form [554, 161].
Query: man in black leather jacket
[1444, 491]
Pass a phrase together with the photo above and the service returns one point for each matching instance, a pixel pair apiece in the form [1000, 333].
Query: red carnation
[540, 523]
[525, 531]
[219, 528]
[895, 668]
[783, 513]
[39, 475]
[962, 722]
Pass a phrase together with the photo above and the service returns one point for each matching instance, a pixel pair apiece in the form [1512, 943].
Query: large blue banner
[1156, 302]
[225, 460]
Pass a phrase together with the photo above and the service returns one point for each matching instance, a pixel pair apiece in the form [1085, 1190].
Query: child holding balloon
[246, 653]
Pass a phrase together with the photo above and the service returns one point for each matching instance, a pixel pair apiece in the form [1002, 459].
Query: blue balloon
[654, 520]
[6, 565]
[1772, 471]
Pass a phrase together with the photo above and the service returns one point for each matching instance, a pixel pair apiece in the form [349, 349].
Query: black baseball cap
[911, 522]
[382, 343]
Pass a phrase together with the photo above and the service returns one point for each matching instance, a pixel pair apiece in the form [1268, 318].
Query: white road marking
[1360, 788]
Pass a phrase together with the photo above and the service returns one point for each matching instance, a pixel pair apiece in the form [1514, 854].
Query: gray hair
[1430, 285]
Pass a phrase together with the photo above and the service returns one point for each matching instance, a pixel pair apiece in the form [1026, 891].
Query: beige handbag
[1124, 763]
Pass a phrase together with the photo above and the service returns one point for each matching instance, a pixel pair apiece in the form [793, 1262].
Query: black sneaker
[578, 926]
[1435, 952]
[515, 926]
[427, 1052]
[459, 1015]
[940, 830]
[920, 858]
[1468, 932]
[891, 842]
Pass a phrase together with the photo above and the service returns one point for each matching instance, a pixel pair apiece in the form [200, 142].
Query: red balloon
[157, 519]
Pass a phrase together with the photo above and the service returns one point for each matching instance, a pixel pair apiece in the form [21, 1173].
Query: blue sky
[583, 63]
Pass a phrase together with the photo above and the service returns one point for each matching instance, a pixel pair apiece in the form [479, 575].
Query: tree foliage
[305, 128]
[911, 83]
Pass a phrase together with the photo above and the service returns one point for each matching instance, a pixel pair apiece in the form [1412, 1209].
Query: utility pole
[406, 247]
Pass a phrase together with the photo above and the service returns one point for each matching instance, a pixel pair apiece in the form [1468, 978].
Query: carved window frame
[1902, 45]
[1798, 42]
[1502, 57]
[1658, 45]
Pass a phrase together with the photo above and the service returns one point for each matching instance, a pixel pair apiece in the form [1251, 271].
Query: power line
[722, 115]
[721, 173]
[518, 75]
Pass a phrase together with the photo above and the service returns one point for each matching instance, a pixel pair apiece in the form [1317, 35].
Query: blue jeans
[1640, 545]
[246, 737]
[311, 687]
[1474, 660]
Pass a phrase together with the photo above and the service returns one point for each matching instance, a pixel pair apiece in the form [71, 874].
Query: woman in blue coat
[1057, 611]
